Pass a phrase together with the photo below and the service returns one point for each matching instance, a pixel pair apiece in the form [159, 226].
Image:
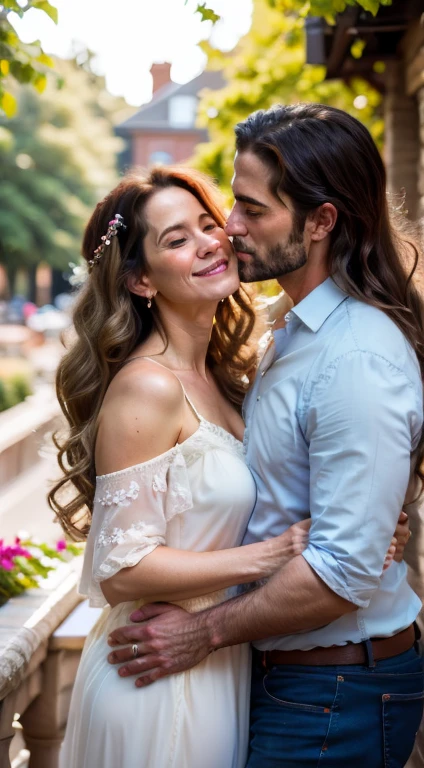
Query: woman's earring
[149, 302]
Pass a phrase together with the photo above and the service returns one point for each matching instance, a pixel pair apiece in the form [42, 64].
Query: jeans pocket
[402, 713]
[294, 705]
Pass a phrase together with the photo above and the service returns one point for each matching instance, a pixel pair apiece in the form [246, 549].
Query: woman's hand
[398, 542]
[288, 545]
[295, 540]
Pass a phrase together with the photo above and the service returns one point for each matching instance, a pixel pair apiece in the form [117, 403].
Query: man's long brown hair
[318, 154]
[110, 322]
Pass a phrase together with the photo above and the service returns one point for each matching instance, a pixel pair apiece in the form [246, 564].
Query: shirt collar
[318, 305]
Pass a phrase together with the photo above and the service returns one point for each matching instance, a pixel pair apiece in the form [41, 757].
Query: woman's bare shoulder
[141, 416]
[144, 378]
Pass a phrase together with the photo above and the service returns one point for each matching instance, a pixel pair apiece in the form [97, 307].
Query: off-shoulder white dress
[197, 496]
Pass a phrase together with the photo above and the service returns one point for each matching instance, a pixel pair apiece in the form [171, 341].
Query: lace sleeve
[130, 514]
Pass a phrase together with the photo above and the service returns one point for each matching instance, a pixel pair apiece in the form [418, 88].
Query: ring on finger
[134, 650]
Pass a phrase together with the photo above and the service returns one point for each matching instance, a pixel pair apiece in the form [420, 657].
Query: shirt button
[258, 398]
[288, 317]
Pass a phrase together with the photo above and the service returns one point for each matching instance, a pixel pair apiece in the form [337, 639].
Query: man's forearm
[293, 600]
[169, 640]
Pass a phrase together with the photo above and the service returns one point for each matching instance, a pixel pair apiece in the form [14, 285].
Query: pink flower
[20, 551]
[6, 564]
[61, 545]
[10, 552]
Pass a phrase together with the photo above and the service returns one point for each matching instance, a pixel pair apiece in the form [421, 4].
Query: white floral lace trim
[147, 470]
[121, 497]
[210, 436]
[113, 564]
[137, 532]
[186, 453]
[149, 474]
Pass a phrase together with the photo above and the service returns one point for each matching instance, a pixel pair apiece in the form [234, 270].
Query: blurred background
[89, 89]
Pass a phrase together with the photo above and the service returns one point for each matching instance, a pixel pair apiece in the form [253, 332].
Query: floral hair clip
[114, 225]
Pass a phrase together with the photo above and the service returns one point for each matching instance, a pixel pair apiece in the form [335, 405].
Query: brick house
[394, 36]
[164, 130]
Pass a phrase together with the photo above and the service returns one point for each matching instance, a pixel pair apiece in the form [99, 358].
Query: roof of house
[154, 116]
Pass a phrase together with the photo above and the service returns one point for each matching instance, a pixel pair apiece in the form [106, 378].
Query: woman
[152, 391]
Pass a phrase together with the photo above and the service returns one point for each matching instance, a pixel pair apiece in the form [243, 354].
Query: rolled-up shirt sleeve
[362, 421]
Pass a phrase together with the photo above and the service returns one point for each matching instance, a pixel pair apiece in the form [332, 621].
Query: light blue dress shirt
[332, 419]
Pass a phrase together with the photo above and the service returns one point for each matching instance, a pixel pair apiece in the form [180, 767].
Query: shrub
[4, 398]
[15, 382]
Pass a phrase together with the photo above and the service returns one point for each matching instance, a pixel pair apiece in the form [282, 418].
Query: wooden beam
[415, 74]
[341, 42]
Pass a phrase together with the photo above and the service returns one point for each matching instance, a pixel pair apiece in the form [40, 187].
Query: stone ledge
[23, 433]
[27, 621]
[28, 417]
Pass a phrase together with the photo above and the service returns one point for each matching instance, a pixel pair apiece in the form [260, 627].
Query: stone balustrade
[31, 666]
[23, 430]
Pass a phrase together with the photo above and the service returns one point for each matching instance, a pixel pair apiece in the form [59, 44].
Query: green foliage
[326, 8]
[207, 14]
[268, 67]
[22, 62]
[4, 399]
[302, 8]
[57, 158]
[21, 387]
[15, 382]
[14, 391]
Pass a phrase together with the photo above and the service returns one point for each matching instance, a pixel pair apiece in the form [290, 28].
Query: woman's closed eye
[177, 243]
[181, 240]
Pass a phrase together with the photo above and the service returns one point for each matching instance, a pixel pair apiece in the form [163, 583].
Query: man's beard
[279, 260]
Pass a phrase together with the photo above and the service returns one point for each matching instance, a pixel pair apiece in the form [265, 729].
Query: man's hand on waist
[164, 639]
[170, 640]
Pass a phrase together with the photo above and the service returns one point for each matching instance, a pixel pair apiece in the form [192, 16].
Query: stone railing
[38, 663]
[22, 433]
[26, 624]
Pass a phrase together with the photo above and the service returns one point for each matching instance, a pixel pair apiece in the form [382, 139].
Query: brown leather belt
[352, 653]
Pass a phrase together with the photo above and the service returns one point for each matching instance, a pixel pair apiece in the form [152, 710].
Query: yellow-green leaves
[40, 83]
[48, 8]
[8, 104]
[325, 8]
[21, 62]
[43, 58]
[268, 67]
[207, 14]
[357, 48]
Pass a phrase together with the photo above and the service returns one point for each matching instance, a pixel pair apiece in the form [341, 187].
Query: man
[415, 560]
[333, 423]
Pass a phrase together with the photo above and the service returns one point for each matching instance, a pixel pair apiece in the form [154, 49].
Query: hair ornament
[114, 226]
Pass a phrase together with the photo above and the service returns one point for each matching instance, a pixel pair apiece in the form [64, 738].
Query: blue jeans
[340, 716]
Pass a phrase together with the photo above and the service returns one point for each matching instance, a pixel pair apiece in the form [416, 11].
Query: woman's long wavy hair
[318, 154]
[110, 322]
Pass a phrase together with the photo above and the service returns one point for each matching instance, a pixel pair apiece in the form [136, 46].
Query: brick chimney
[161, 74]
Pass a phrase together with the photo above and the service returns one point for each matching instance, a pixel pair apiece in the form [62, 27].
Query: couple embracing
[180, 451]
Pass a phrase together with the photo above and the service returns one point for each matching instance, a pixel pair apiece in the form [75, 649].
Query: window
[160, 158]
[182, 111]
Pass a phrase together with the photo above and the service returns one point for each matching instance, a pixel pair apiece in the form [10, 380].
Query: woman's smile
[214, 269]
